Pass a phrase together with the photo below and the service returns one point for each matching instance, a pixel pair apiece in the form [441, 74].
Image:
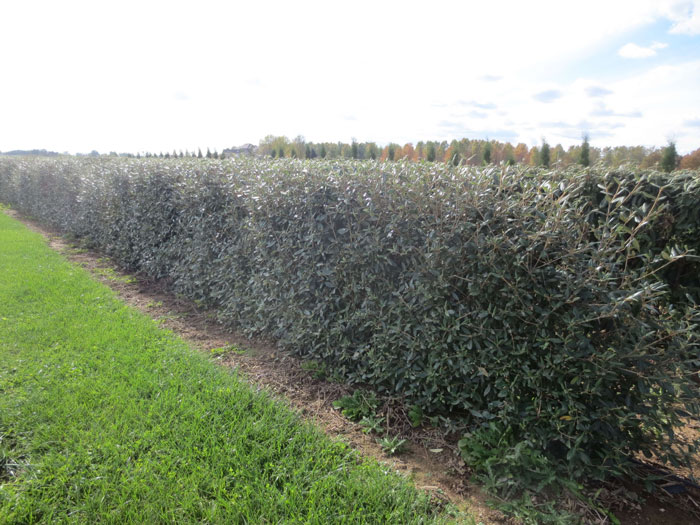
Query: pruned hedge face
[557, 305]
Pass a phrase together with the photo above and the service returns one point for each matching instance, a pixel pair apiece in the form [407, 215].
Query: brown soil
[431, 461]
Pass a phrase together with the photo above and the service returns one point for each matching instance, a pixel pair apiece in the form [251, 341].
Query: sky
[156, 76]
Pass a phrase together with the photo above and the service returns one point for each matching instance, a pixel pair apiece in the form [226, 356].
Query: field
[104, 417]
[544, 321]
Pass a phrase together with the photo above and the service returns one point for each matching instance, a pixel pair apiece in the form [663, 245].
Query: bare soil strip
[442, 473]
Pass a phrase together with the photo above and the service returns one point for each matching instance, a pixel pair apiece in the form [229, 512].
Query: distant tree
[408, 152]
[391, 151]
[354, 149]
[420, 150]
[533, 157]
[167, 155]
[691, 161]
[309, 152]
[371, 151]
[669, 159]
[544, 154]
[208, 155]
[322, 153]
[280, 152]
[521, 152]
[199, 153]
[299, 147]
[431, 152]
[585, 155]
[215, 155]
[487, 153]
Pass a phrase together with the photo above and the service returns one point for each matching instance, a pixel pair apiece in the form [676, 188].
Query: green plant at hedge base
[357, 406]
[559, 306]
[392, 445]
[372, 424]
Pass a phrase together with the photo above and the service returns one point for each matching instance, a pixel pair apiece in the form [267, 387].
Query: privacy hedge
[550, 311]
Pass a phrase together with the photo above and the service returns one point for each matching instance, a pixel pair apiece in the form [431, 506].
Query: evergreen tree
[431, 152]
[208, 153]
[669, 159]
[323, 152]
[199, 153]
[215, 155]
[455, 157]
[391, 151]
[544, 154]
[585, 156]
[487, 153]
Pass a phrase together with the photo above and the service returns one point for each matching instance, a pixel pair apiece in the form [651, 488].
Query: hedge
[553, 311]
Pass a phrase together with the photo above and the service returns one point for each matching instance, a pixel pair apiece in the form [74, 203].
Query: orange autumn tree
[691, 161]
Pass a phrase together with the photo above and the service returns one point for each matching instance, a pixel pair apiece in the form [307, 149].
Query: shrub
[556, 309]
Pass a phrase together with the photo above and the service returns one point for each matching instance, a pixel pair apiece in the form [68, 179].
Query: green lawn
[106, 418]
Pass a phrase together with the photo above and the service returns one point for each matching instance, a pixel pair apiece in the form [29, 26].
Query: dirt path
[430, 461]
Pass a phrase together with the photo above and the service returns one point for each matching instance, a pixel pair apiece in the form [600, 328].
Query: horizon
[169, 76]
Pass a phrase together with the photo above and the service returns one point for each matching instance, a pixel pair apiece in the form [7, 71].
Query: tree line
[479, 152]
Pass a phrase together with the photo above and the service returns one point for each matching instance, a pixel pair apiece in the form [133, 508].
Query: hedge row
[551, 309]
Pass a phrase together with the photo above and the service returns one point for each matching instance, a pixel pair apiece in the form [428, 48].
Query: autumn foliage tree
[691, 161]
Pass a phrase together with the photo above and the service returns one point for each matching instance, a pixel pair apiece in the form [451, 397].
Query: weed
[317, 369]
[111, 275]
[392, 445]
[358, 405]
[228, 349]
[372, 424]
[415, 415]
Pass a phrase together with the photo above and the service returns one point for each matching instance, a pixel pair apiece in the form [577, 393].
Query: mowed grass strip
[105, 418]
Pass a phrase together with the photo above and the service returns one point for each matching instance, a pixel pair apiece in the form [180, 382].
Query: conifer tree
[669, 160]
[585, 157]
[487, 153]
[431, 153]
[544, 154]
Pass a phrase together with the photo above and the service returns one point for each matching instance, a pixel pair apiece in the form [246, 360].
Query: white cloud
[632, 50]
[685, 15]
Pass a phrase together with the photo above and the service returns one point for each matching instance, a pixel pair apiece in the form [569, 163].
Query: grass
[106, 418]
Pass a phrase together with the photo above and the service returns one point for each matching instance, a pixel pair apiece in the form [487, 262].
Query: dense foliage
[550, 314]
